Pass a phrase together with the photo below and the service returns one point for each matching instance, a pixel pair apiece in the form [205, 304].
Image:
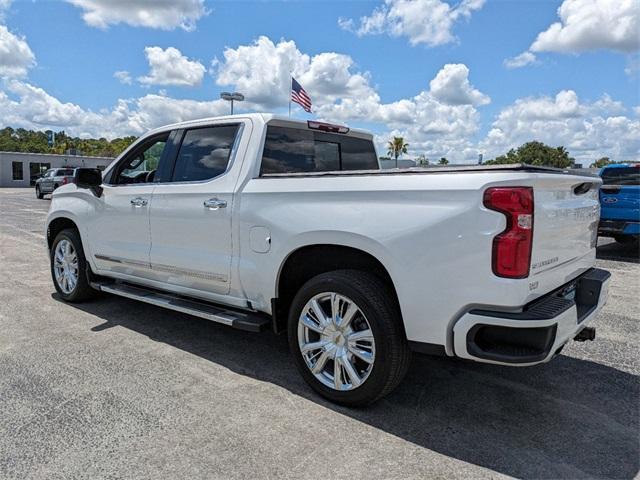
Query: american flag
[299, 95]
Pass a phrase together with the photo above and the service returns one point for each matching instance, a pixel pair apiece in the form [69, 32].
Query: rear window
[293, 150]
[621, 176]
[65, 173]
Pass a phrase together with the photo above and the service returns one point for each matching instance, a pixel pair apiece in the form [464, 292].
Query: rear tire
[378, 314]
[69, 268]
[39, 194]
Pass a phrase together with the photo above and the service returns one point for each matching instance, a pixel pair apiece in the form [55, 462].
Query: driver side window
[141, 164]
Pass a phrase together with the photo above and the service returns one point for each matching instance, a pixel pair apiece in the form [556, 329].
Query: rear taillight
[65, 180]
[511, 256]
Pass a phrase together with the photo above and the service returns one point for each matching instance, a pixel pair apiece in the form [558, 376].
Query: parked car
[258, 221]
[52, 179]
[620, 203]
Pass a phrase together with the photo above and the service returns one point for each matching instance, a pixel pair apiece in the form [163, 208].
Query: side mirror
[90, 178]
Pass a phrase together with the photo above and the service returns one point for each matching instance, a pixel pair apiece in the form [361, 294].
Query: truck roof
[261, 117]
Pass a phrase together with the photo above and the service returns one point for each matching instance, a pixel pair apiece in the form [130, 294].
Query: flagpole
[290, 83]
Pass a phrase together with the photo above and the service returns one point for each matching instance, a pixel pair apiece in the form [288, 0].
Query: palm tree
[396, 147]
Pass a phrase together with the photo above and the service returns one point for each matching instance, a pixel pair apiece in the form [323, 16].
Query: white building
[22, 169]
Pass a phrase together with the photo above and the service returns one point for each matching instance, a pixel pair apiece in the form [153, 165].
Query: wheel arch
[307, 261]
[56, 225]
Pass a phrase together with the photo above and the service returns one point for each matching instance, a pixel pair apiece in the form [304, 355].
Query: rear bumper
[537, 332]
[618, 227]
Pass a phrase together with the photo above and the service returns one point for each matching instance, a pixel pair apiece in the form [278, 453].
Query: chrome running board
[249, 321]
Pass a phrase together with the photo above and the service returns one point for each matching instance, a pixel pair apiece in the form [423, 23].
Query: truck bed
[509, 167]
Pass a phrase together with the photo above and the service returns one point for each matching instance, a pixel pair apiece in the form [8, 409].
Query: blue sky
[580, 89]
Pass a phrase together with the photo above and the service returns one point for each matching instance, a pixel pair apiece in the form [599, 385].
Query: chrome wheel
[65, 266]
[336, 341]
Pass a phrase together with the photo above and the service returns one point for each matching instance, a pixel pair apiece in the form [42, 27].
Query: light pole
[230, 97]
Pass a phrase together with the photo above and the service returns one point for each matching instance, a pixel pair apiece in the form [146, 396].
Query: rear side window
[621, 176]
[204, 153]
[293, 150]
[65, 173]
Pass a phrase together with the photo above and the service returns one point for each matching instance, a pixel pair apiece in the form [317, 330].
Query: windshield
[621, 176]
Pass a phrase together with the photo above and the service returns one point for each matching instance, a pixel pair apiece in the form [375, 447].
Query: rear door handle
[215, 204]
[139, 202]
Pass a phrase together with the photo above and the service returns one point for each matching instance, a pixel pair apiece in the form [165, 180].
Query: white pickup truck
[258, 221]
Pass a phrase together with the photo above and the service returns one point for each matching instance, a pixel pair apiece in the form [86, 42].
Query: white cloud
[28, 106]
[161, 14]
[428, 22]
[123, 77]
[36, 107]
[4, 6]
[591, 25]
[451, 86]
[439, 120]
[525, 58]
[589, 130]
[170, 67]
[15, 55]
[588, 25]
[261, 71]
[152, 111]
[433, 128]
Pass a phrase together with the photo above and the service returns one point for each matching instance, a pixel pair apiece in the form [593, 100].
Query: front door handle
[139, 202]
[215, 204]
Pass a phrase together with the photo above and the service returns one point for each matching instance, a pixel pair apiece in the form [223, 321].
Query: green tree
[601, 162]
[396, 148]
[422, 160]
[536, 153]
[443, 161]
[22, 140]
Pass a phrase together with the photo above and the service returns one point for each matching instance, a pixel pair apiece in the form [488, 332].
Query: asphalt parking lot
[120, 389]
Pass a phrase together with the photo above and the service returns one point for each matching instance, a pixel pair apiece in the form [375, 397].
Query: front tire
[39, 194]
[69, 267]
[346, 335]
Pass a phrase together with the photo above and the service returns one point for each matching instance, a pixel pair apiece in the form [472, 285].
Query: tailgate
[565, 228]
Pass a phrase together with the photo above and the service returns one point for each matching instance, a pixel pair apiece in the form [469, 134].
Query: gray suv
[52, 179]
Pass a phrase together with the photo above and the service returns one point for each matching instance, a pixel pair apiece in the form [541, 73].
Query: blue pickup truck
[620, 203]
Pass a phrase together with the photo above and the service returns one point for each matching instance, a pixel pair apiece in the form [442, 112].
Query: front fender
[71, 204]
